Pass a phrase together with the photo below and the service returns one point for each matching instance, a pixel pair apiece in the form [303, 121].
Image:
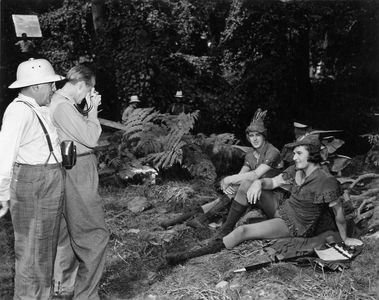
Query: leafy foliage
[150, 137]
[373, 139]
[313, 59]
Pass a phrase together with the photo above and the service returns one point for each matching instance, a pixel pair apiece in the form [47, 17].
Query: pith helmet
[34, 71]
[257, 124]
[179, 94]
[300, 125]
[134, 99]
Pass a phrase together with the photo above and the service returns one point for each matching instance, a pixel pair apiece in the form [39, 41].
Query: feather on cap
[257, 123]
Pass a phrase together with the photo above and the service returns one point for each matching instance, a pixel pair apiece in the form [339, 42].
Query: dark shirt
[308, 201]
[267, 155]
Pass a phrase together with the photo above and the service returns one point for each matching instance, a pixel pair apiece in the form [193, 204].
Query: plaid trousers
[37, 193]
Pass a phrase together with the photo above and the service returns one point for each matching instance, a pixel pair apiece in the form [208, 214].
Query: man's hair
[314, 154]
[80, 73]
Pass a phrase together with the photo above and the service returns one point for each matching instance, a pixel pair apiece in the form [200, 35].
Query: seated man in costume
[313, 191]
[262, 161]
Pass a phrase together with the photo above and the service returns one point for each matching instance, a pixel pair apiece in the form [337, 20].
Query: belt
[40, 166]
[85, 153]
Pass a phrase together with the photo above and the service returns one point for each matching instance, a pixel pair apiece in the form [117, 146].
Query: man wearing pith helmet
[31, 178]
[133, 104]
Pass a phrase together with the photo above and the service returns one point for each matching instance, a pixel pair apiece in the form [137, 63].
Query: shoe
[212, 246]
[183, 217]
[199, 221]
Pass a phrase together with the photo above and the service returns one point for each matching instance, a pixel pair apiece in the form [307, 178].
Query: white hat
[299, 125]
[133, 99]
[34, 71]
[179, 94]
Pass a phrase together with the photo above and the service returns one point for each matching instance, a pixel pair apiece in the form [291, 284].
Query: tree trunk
[301, 68]
[98, 15]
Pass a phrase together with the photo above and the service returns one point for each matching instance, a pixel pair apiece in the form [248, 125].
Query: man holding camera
[31, 178]
[83, 235]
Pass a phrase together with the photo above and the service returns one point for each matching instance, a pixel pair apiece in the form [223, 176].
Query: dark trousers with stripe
[36, 207]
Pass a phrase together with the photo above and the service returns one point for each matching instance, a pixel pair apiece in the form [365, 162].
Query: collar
[262, 149]
[70, 99]
[28, 99]
[304, 179]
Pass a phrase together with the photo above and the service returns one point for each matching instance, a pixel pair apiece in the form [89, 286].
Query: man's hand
[5, 208]
[254, 192]
[94, 98]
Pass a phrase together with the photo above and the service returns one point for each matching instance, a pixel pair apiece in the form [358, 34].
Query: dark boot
[181, 218]
[201, 219]
[236, 211]
[214, 245]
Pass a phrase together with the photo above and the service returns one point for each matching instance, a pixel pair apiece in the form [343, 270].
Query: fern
[173, 142]
[138, 121]
[159, 138]
[166, 159]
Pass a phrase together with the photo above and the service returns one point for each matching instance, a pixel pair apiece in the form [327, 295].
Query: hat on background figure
[300, 125]
[257, 123]
[134, 99]
[310, 139]
[179, 94]
[33, 72]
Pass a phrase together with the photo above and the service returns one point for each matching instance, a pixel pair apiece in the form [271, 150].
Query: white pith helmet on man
[34, 71]
[134, 99]
[179, 94]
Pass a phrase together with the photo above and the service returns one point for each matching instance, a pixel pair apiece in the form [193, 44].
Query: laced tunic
[308, 202]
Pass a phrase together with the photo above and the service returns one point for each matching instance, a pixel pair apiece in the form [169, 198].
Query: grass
[136, 268]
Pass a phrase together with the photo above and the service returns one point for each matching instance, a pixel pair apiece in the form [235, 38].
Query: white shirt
[22, 140]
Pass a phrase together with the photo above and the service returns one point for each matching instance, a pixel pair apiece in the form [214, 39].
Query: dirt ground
[136, 267]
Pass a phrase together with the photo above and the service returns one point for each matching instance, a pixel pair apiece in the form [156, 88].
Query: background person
[26, 46]
[31, 178]
[83, 236]
[133, 104]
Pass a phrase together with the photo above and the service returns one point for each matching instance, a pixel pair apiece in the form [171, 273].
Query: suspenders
[44, 131]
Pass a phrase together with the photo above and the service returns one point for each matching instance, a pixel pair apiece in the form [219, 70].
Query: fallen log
[112, 124]
[362, 213]
[364, 195]
[362, 177]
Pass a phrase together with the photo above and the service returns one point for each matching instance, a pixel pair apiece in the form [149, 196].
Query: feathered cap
[257, 123]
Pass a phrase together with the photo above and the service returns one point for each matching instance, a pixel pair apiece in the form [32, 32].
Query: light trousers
[83, 236]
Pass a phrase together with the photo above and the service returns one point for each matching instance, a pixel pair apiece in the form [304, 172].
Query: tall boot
[201, 219]
[181, 218]
[213, 246]
[236, 211]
